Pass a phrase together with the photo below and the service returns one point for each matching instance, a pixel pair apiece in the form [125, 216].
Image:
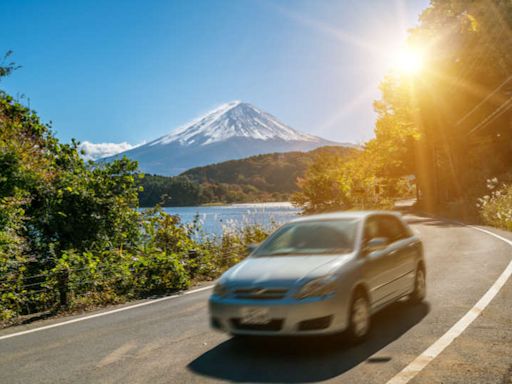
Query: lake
[215, 219]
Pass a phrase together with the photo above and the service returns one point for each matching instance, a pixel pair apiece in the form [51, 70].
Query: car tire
[420, 287]
[359, 318]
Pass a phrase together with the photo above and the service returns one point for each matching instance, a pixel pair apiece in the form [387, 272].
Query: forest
[262, 178]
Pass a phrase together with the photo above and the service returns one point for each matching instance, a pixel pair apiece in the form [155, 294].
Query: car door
[376, 264]
[401, 256]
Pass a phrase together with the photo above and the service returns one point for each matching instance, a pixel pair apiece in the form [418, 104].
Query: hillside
[269, 177]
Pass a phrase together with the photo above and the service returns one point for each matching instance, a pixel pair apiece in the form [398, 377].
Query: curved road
[169, 341]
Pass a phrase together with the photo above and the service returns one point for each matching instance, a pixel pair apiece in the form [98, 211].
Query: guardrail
[55, 283]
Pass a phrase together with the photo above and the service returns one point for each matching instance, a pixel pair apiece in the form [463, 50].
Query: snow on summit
[234, 119]
[231, 131]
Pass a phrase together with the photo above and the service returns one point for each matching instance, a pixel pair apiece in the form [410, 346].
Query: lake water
[215, 219]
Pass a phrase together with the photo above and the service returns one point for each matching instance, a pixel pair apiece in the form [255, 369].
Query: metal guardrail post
[63, 279]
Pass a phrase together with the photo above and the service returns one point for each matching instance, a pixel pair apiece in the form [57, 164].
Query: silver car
[321, 274]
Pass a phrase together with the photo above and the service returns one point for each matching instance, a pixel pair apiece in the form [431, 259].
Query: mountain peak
[231, 131]
[231, 120]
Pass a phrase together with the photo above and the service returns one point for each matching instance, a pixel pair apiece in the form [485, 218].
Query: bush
[496, 208]
[169, 256]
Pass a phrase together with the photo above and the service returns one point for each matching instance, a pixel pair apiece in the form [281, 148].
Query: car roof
[360, 215]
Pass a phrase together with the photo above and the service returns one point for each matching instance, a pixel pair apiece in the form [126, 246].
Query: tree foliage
[52, 202]
[337, 183]
[447, 127]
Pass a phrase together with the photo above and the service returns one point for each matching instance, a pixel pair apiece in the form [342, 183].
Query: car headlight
[322, 286]
[220, 290]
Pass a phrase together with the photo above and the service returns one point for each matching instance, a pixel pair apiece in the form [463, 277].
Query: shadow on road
[289, 360]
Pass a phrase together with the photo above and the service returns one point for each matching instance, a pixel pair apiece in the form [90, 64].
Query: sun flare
[409, 61]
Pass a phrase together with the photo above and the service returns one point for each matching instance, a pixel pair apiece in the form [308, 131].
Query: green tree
[447, 125]
[52, 201]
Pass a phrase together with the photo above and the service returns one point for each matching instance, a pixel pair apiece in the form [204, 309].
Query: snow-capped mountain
[235, 119]
[232, 131]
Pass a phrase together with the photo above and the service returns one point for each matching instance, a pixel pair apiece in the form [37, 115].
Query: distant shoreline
[268, 203]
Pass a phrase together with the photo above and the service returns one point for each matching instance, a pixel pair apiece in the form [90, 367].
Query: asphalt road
[170, 342]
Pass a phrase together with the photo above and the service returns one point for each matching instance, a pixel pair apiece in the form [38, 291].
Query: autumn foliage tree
[448, 126]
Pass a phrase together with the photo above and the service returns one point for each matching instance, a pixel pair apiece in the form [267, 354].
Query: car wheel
[420, 287]
[359, 321]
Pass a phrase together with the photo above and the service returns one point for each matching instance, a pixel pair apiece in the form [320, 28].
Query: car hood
[282, 270]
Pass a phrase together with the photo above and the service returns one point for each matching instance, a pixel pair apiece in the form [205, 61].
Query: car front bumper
[287, 316]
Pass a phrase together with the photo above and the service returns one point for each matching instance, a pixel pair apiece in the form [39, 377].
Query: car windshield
[311, 238]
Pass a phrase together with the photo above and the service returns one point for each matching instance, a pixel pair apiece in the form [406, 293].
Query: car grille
[260, 293]
[273, 325]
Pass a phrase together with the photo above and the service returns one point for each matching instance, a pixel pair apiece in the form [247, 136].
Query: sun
[409, 61]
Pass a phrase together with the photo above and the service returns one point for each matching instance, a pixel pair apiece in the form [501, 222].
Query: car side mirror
[376, 244]
[251, 247]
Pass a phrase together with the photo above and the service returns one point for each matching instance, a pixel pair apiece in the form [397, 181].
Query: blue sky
[133, 70]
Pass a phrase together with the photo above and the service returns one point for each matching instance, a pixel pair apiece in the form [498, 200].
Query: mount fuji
[232, 131]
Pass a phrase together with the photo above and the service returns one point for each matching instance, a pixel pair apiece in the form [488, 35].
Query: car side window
[372, 229]
[393, 228]
[405, 232]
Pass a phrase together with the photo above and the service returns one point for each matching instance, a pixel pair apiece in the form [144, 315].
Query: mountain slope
[232, 131]
[272, 172]
[268, 177]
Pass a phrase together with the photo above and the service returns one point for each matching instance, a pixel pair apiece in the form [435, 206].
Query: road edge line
[143, 304]
[425, 358]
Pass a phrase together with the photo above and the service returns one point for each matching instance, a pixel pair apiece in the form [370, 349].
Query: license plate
[254, 315]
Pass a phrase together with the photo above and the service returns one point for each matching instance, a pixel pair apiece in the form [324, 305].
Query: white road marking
[418, 364]
[105, 313]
